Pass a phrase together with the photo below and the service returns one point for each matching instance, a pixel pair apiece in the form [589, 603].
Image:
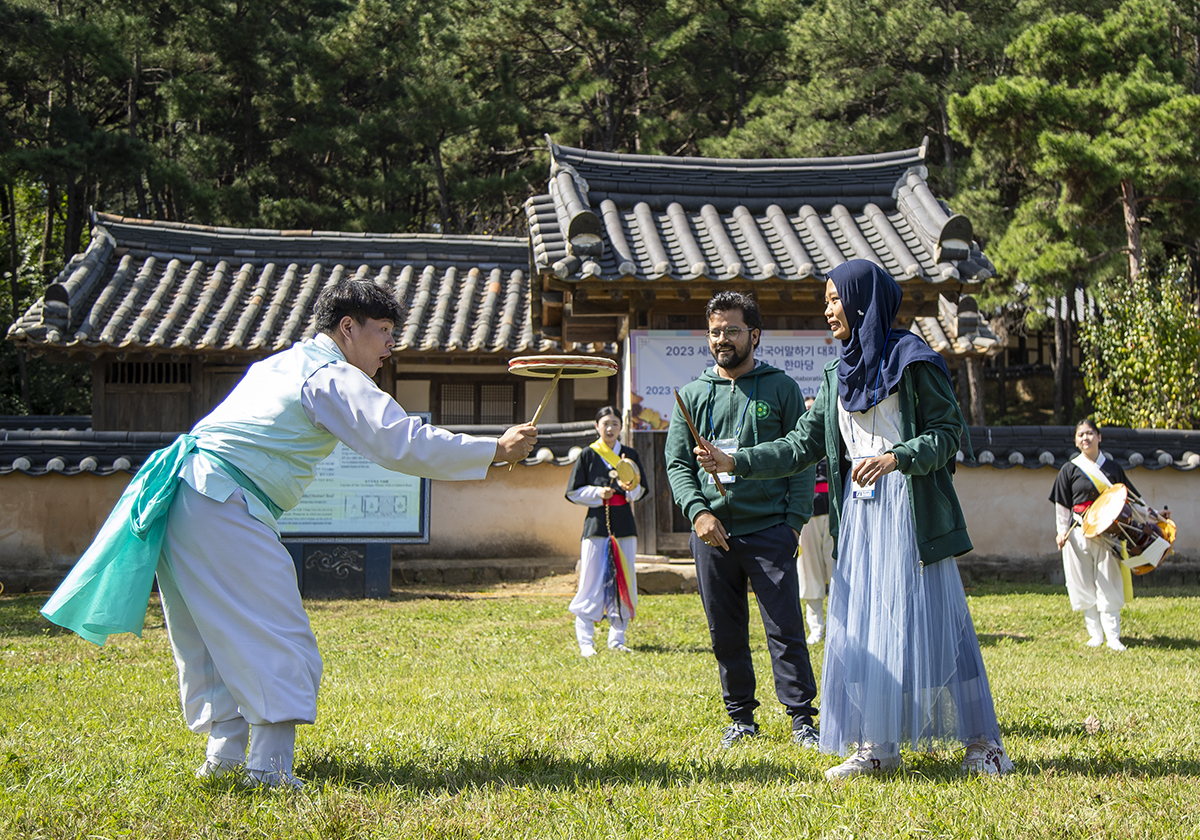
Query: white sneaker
[1115, 644]
[1095, 641]
[587, 651]
[816, 636]
[216, 768]
[986, 758]
[619, 647]
[869, 758]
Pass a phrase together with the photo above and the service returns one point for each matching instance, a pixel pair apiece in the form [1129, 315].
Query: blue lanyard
[737, 433]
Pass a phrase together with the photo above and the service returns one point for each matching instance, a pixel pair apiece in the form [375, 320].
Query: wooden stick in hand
[545, 401]
[695, 434]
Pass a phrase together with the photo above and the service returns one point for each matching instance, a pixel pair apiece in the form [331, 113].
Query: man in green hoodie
[749, 534]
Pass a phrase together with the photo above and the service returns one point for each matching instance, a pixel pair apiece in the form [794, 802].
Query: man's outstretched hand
[516, 443]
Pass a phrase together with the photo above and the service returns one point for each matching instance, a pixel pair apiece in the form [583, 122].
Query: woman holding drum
[1095, 580]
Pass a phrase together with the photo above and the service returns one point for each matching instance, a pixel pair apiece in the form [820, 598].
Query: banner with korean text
[662, 360]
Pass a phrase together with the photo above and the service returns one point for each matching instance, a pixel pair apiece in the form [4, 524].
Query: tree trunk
[8, 210]
[947, 147]
[1057, 362]
[1064, 398]
[76, 209]
[1002, 381]
[133, 129]
[1133, 227]
[963, 391]
[974, 367]
[48, 230]
[443, 188]
[735, 67]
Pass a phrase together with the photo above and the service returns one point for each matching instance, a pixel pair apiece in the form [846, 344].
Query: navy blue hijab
[875, 356]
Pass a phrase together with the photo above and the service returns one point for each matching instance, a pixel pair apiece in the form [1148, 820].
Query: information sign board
[355, 499]
[663, 360]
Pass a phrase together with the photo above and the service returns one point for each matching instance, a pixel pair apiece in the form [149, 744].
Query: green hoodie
[749, 506]
[931, 427]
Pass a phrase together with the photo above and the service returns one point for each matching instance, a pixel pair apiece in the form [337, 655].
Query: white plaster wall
[46, 522]
[1009, 513]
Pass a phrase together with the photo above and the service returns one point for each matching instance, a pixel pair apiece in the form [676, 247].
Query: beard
[728, 356]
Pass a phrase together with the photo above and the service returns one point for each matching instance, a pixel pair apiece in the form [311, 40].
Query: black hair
[360, 299]
[725, 301]
[1088, 421]
[606, 411]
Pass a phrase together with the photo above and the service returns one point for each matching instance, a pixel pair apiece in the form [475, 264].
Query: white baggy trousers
[238, 630]
[1093, 574]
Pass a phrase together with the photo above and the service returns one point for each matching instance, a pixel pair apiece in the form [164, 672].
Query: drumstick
[695, 434]
[542, 404]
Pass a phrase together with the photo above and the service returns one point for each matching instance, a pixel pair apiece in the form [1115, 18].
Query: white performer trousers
[588, 603]
[241, 639]
[816, 558]
[1093, 574]
[815, 566]
[585, 632]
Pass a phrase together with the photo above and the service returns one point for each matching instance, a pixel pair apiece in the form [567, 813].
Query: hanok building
[170, 315]
[626, 242]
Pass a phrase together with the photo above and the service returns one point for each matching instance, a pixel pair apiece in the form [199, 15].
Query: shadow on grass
[544, 770]
[19, 616]
[1069, 764]
[1162, 642]
[655, 648]
[532, 768]
[988, 639]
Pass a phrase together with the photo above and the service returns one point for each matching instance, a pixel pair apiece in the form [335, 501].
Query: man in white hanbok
[249, 668]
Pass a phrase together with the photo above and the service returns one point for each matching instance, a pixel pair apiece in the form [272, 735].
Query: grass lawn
[470, 716]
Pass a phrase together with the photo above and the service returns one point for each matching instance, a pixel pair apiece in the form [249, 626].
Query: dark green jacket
[749, 506]
[931, 426]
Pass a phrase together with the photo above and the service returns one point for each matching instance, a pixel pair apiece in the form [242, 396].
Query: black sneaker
[735, 732]
[806, 736]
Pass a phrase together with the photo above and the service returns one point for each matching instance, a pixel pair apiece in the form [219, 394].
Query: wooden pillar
[974, 369]
[1002, 379]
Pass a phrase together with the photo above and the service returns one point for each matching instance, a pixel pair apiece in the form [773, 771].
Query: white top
[872, 432]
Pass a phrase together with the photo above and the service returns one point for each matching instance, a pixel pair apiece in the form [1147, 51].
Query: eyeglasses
[729, 332]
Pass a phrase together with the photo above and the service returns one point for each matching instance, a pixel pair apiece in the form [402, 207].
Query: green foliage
[1065, 129]
[475, 717]
[1142, 359]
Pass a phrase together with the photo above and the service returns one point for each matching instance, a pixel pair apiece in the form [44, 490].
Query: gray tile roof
[958, 330]
[76, 451]
[615, 216]
[1033, 447]
[72, 451]
[179, 288]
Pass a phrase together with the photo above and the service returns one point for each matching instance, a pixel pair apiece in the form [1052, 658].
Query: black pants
[767, 560]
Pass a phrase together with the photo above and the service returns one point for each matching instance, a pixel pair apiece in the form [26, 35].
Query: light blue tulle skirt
[902, 661]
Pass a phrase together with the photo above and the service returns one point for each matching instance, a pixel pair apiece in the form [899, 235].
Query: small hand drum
[627, 474]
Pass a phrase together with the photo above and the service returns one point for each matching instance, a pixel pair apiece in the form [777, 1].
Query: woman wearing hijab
[902, 661]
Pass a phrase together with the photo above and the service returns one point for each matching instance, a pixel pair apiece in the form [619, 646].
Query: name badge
[728, 446]
[860, 491]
